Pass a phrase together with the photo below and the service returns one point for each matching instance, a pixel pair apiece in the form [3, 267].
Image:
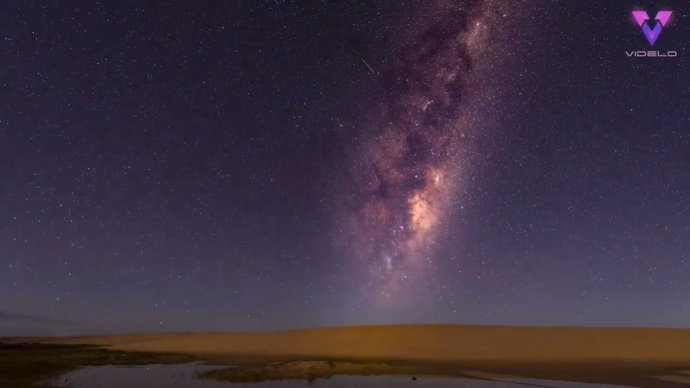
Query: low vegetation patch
[33, 365]
[313, 370]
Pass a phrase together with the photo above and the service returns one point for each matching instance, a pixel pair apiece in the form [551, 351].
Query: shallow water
[184, 375]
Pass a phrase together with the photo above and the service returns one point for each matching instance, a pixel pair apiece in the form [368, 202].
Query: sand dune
[624, 356]
[434, 343]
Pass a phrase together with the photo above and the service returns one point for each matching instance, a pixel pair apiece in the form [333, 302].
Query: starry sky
[260, 165]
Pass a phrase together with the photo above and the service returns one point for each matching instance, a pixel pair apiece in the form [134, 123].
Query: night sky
[258, 165]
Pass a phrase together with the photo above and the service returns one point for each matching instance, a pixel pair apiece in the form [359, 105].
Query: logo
[660, 21]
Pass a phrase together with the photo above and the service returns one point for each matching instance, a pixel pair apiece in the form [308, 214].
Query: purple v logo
[652, 34]
[661, 20]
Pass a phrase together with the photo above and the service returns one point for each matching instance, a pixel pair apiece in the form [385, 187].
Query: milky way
[264, 165]
[406, 179]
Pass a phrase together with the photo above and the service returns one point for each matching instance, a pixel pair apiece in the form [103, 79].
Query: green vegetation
[28, 364]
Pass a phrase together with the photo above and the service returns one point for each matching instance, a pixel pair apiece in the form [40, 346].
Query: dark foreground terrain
[622, 356]
[31, 364]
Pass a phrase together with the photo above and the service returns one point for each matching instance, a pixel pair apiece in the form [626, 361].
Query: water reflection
[185, 375]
